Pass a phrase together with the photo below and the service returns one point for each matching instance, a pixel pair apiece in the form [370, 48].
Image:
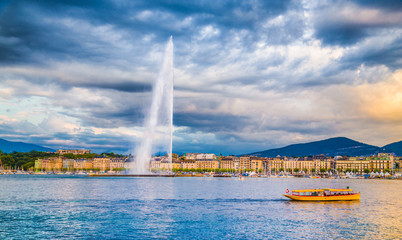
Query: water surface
[54, 207]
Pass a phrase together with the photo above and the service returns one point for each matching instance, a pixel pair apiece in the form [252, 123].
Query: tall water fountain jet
[160, 115]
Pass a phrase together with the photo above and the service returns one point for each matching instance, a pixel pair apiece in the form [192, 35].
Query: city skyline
[249, 76]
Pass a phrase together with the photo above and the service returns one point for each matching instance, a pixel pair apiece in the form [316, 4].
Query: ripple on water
[174, 208]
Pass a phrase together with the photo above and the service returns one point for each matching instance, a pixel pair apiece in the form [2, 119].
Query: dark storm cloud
[213, 122]
[28, 38]
[333, 27]
[124, 86]
[341, 34]
[31, 31]
[28, 33]
[97, 142]
[389, 5]
[106, 116]
[389, 55]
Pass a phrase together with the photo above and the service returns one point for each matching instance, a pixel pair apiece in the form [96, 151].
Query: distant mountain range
[9, 146]
[339, 146]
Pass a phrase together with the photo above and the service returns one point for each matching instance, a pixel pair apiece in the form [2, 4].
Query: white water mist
[160, 116]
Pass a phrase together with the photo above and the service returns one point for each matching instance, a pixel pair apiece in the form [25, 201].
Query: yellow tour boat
[325, 194]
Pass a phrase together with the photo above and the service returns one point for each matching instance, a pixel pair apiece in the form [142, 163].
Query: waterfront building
[352, 164]
[188, 163]
[101, 163]
[308, 165]
[256, 164]
[176, 164]
[165, 164]
[49, 164]
[200, 161]
[227, 162]
[38, 164]
[295, 163]
[381, 163]
[68, 163]
[83, 164]
[117, 163]
[245, 162]
[155, 163]
[73, 151]
[236, 163]
[398, 164]
[207, 164]
[276, 165]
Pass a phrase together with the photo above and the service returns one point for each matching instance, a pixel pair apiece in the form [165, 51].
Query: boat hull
[351, 197]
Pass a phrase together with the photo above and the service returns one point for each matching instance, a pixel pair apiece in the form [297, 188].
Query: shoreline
[162, 175]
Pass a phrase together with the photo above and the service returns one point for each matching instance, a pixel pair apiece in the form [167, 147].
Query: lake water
[52, 207]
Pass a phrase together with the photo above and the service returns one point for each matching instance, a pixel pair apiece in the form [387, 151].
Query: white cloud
[271, 78]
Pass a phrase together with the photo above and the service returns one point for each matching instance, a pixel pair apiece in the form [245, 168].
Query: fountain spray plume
[160, 114]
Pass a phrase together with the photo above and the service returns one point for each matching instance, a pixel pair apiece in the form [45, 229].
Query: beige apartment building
[352, 163]
[101, 163]
[227, 162]
[83, 163]
[117, 163]
[49, 164]
[68, 164]
[207, 164]
[276, 164]
[381, 163]
[164, 163]
[256, 164]
[176, 164]
[245, 163]
[188, 163]
[155, 164]
[303, 164]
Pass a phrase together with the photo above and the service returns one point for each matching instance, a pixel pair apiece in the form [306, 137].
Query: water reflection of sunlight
[332, 203]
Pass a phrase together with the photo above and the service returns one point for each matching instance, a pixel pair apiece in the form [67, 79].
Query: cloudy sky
[249, 75]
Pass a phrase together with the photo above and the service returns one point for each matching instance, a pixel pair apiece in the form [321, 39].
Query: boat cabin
[322, 192]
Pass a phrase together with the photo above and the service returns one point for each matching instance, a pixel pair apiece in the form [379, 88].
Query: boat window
[302, 194]
[320, 194]
[308, 193]
[327, 193]
[314, 194]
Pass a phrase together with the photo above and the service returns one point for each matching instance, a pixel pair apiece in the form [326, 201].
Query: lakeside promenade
[217, 174]
[381, 165]
[82, 162]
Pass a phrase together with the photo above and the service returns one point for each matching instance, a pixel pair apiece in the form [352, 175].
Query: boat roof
[324, 189]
